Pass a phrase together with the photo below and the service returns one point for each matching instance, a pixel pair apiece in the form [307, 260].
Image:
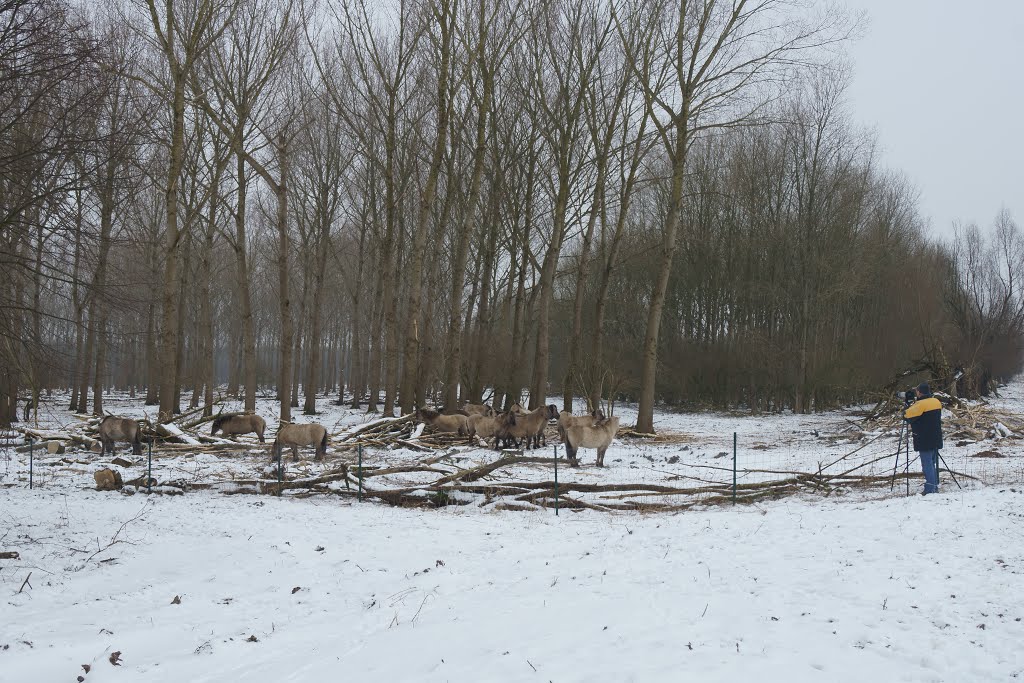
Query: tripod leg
[896, 464]
[951, 475]
[907, 469]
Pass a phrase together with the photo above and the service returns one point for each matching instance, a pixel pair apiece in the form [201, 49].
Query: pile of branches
[402, 431]
[971, 421]
[182, 430]
[484, 485]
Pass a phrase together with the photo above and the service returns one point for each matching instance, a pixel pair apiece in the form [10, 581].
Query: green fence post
[734, 468]
[359, 449]
[556, 479]
[149, 470]
[31, 459]
[280, 460]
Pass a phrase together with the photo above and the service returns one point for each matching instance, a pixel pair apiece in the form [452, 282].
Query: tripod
[904, 442]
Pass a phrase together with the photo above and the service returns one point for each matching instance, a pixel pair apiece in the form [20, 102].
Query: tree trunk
[391, 348]
[356, 374]
[572, 367]
[249, 362]
[445, 19]
[300, 328]
[287, 325]
[538, 387]
[77, 300]
[649, 354]
[101, 365]
[207, 349]
[169, 330]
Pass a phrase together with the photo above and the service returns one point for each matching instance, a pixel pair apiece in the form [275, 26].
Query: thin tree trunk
[182, 292]
[649, 353]
[391, 354]
[77, 300]
[205, 376]
[445, 20]
[356, 376]
[169, 330]
[101, 365]
[300, 328]
[249, 363]
[316, 315]
[287, 325]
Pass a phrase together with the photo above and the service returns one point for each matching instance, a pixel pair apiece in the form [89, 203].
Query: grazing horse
[120, 429]
[295, 435]
[443, 423]
[233, 425]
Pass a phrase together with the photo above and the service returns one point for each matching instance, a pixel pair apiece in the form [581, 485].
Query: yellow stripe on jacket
[923, 406]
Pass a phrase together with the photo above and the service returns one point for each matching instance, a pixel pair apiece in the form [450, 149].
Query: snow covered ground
[864, 586]
[906, 589]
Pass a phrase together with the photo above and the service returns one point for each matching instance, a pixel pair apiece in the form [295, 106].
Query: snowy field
[864, 585]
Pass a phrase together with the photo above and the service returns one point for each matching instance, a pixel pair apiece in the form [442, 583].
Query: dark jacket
[925, 418]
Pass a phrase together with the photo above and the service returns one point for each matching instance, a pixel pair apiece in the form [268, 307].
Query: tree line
[437, 201]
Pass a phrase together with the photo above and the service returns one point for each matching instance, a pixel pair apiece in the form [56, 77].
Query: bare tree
[182, 33]
[703, 66]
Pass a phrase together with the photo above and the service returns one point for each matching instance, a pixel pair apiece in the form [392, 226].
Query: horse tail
[323, 442]
[137, 439]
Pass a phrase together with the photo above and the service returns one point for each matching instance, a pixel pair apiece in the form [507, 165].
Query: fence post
[734, 468]
[280, 460]
[149, 469]
[359, 449]
[31, 461]
[556, 479]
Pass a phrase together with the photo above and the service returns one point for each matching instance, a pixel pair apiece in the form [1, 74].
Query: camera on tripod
[908, 396]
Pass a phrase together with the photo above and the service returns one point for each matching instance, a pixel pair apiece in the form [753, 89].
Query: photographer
[925, 418]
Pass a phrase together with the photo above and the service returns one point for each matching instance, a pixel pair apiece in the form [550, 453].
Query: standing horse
[598, 436]
[233, 425]
[295, 435]
[113, 429]
[30, 404]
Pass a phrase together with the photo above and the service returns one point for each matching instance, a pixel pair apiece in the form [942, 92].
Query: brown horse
[232, 425]
[485, 427]
[443, 423]
[517, 424]
[30, 404]
[113, 429]
[478, 409]
[295, 435]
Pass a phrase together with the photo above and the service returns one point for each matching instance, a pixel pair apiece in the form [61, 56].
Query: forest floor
[832, 583]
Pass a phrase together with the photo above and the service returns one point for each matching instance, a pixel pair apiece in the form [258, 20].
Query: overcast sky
[942, 83]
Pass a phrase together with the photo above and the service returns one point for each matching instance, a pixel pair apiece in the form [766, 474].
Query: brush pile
[961, 421]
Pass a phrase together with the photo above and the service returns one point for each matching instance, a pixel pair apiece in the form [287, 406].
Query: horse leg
[570, 454]
[600, 456]
[295, 452]
[260, 434]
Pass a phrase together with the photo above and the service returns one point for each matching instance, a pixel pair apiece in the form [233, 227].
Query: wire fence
[674, 470]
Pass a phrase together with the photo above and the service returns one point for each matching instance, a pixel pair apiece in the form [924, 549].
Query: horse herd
[514, 428]
[519, 428]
